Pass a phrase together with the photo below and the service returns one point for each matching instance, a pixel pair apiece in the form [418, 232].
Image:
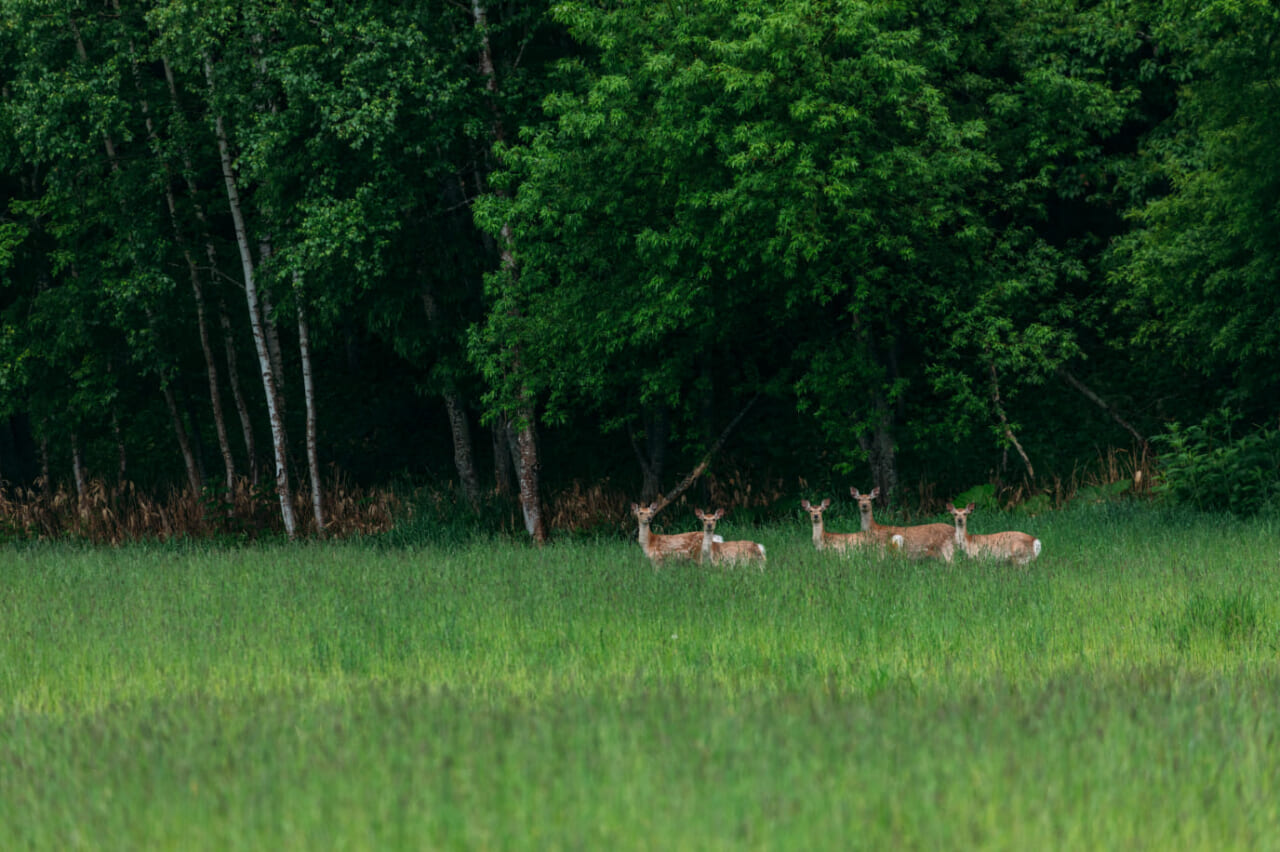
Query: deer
[660, 548]
[725, 551]
[1017, 547]
[935, 540]
[840, 542]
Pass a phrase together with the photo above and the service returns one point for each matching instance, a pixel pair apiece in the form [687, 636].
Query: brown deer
[725, 551]
[936, 540]
[841, 542]
[660, 548]
[1017, 547]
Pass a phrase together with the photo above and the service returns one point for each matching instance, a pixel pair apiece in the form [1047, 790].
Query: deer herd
[937, 541]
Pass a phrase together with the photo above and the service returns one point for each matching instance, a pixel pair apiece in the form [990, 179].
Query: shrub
[1208, 468]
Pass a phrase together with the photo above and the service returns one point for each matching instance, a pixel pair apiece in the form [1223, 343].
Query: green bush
[1206, 467]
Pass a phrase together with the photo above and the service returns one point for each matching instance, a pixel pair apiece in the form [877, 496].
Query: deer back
[924, 540]
[843, 542]
[1015, 546]
[737, 551]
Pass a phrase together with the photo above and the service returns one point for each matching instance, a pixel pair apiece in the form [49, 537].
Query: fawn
[1017, 547]
[936, 540]
[726, 551]
[841, 542]
[660, 548]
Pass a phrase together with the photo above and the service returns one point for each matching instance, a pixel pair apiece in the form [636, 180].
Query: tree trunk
[653, 457]
[44, 464]
[78, 472]
[463, 457]
[211, 253]
[523, 441]
[194, 479]
[459, 429]
[882, 456]
[502, 484]
[122, 457]
[527, 463]
[272, 329]
[256, 323]
[184, 442]
[193, 272]
[237, 393]
[309, 395]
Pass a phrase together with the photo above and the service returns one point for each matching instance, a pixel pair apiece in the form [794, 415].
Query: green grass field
[1123, 692]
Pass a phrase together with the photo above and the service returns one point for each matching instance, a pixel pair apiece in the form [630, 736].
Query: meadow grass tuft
[1119, 692]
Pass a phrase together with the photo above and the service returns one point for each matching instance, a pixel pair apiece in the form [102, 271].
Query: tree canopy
[920, 241]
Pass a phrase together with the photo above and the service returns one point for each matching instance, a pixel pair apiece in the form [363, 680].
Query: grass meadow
[1121, 693]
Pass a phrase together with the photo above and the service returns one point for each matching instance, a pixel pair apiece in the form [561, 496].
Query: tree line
[500, 243]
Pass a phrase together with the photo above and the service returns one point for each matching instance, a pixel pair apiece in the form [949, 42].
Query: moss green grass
[1120, 693]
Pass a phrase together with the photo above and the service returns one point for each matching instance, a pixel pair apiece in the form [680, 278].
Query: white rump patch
[1035, 545]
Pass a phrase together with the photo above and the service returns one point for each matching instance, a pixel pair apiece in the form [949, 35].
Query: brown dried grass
[115, 514]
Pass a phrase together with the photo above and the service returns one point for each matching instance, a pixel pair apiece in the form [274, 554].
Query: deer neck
[644, 536]
[868, 522]
[706, 542]
[819, 535]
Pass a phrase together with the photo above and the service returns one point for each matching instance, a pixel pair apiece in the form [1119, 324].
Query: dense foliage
[919, 242]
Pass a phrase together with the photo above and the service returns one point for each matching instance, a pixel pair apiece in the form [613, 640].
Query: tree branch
[1004, 421]
[1102, 403]
[706, 459]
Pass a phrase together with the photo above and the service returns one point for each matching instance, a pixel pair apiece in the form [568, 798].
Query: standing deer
[842, 542]
[1017, 547]
[660, 548]
[725, 551]
[936, 540]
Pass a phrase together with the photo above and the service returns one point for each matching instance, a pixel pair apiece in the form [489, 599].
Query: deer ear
[826, 502]
[875, 492]
[970, 507]
[804, 504]
[635, 507]
[854, 492]
[950, 508]
[719, 514]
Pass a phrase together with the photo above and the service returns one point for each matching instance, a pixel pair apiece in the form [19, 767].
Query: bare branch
[706, 459]
[1088, 393]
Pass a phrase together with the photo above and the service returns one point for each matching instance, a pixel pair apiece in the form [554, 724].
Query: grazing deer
[936, 540]
[660, 548]
[841, 542]
[726, 551]
[1017, 547]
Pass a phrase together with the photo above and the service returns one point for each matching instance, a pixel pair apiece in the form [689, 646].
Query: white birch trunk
[309, 395]
[256, 323]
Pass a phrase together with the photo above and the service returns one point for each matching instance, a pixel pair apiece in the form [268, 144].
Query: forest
[501, 253]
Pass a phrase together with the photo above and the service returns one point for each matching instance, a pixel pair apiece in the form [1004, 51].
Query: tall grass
[1118, 693]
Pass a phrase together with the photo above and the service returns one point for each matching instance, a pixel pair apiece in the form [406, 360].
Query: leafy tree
[856, 184]
[1200, 268]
